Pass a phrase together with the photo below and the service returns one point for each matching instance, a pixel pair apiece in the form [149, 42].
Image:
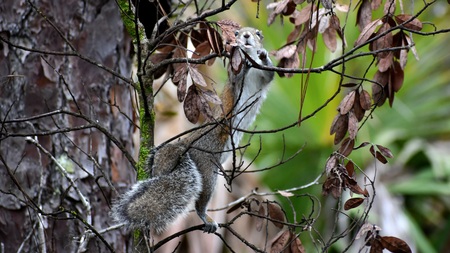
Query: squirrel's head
[249, 38]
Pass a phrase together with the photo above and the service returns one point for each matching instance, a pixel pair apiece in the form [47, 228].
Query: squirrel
[186, 171]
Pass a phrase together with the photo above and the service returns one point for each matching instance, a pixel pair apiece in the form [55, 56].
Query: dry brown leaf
[179, 73]
[364, 15]
[381, 78]
[280, 241]
[378, 155]
[379, 93]
[350, 167]
[179, 53]
[292, 62]
[197, 37]
[376, 247]
[364, 100]
[357, 109]
[353, 186]
[289, 9]
[215, 40]
[347, 147]
[228, 28]
[157, 58]
[352, 203]
[341, 127]
[276, 214]
[367, 31]
[347, 103]
[397, 76]
[181, 89]
[211, 96]
[389, 7]
[414, 24]
[297, 246]
[205, 109]
[385, 62]
[385, 151]
[167, 45]
[197, 77]
[394, 244]
[352, 125]
[286, 52]
[190, 105]
[383, 42]
[332, 185]
[329, 38]
[202, 49]
[278, 8]
[330, 164]
[303, 15]
[237, 60]
[294, 34]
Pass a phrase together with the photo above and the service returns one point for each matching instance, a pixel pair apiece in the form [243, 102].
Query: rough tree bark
[40, 208]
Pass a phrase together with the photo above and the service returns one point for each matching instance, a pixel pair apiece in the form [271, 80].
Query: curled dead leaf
[353, 203]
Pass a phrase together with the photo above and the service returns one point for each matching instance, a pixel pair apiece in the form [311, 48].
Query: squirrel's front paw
[210, 227]
[262, 54]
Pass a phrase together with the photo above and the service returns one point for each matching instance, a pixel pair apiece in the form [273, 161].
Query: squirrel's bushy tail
[156, 202]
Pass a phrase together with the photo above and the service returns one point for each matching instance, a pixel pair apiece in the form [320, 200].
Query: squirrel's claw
[210, 227]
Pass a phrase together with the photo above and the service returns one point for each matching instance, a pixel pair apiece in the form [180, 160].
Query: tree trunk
[82, 140]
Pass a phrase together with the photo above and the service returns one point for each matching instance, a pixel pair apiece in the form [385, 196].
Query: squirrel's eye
[236, 33]
[259, 34]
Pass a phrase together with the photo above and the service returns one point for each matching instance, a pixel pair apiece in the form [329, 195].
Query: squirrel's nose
[246, 35]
